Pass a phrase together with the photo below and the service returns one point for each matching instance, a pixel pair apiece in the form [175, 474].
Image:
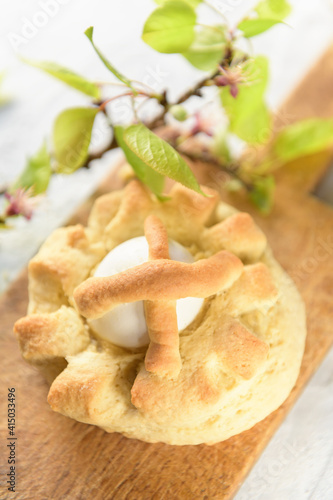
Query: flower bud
[178, 112]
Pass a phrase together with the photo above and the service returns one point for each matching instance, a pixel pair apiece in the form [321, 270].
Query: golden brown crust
[46, 336]
[64, 260]
[162, 357]
[103, 211]
[157, 238]
[192, 205]
[239, 349]
[82, 390]
[231, 352]
[254, 289]
[124, 225]
[46, 339]
[203, 278]
[237, 234]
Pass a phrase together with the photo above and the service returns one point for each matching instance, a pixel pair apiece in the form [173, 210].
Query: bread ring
[233, 365]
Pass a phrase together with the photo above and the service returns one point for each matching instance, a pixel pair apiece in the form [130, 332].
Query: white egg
[125, 325]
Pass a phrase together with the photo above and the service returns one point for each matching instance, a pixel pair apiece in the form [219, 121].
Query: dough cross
[160, 282]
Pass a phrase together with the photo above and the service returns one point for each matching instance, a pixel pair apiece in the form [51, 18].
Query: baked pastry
[226, 325]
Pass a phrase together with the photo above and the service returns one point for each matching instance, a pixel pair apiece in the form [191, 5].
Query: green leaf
[254, 127]
[159, 155]
[89, 34]
[208, 48]
[262, 194]
[67, 76]
[270, 12]
[192, 3]
[248, 115]
[303, 138]
[170, 28]
[144, 172]
[273, 9]
[253, 27]
[37, 172]
[71, 137]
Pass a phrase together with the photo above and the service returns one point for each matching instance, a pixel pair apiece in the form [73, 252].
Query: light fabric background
[298, 462]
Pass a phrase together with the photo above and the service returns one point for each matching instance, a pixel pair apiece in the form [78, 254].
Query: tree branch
[206, 157]
[159, 120]
[96, 156]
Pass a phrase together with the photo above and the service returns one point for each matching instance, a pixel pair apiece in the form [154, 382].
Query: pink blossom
[20, 203]
[204, 122]
[231, 77]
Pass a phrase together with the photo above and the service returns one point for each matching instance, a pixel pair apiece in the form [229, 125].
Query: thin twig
[206, 157]
[159, 119]
[96, 156]
[196, 89]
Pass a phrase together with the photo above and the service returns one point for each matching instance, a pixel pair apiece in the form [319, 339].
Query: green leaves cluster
[174, 28]
[290, 143]
[170, 28]
[295, 141]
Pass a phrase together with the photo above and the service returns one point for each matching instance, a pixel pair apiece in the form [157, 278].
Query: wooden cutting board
[59, 458]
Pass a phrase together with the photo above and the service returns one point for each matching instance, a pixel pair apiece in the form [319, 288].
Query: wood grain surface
[59, 458]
